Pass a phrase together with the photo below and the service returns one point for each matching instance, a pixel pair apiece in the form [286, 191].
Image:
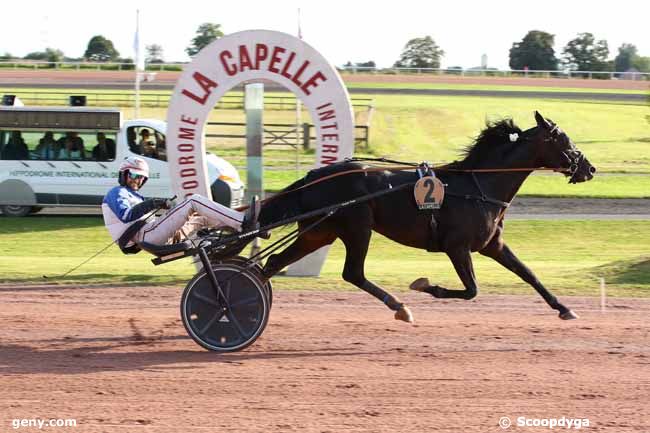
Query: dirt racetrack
[98, 79]
[118, 359]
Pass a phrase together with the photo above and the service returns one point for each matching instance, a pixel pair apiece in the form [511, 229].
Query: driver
[125, 212]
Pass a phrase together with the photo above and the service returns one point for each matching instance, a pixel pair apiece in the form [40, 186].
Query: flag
[137, 45]
[299, 28]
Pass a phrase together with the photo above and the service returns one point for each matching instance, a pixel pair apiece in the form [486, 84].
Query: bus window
[14, 146]
[71, 147]
[104, 150]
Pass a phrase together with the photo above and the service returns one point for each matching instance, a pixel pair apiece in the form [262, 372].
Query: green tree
[642, 64]
[626, 55]
[100, 49]
[154, 53]
[535, 51]
[420, 53]
[584, 53]
[49, 55]
[205, 34]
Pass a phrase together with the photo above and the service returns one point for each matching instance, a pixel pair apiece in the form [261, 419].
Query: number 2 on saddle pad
[429, 193]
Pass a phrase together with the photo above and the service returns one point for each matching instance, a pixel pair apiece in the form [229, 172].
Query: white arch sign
[253, 56]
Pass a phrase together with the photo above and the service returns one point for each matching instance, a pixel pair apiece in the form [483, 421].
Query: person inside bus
[126, 212]
[161, 150]
[131, 138]
[72, 149]
[105, 149]
[147, 146]
[47, 147]
[15, 147]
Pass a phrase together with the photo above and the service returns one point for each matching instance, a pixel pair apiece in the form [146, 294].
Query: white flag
[137, 45]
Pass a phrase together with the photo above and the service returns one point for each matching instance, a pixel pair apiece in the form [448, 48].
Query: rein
[409, 166]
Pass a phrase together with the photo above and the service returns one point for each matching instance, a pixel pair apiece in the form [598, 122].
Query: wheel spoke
[205, 299]
[246, 301]
[235, 322]
[215, 318]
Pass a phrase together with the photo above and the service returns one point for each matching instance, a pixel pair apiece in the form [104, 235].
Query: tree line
[101, 49]
[534, 52]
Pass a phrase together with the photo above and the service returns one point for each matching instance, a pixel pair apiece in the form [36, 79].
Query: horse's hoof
[568, 315]
[404, 314]
[420, 285]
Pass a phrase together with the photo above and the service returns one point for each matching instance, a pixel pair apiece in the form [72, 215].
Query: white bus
[69, 156]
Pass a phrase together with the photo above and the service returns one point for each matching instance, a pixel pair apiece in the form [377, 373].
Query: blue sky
[340, 30]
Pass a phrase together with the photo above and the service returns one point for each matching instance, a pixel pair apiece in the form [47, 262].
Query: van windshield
[57, 145]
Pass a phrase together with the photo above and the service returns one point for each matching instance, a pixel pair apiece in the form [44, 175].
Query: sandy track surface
[118, 359]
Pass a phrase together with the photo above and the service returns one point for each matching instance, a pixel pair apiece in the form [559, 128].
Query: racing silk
[120, 210]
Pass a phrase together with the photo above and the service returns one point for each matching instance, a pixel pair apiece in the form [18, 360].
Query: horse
[479, 189]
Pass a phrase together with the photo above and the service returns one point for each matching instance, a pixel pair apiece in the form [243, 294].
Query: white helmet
[134, 165]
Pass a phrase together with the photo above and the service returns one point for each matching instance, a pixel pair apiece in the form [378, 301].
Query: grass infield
[569, 257]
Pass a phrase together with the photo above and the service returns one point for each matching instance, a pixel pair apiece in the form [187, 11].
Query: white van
[69, 156]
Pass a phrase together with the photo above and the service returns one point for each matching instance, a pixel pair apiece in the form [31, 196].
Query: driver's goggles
[135, 176]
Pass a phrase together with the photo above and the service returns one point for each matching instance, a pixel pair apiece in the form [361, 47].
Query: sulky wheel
[231, 320]
[257, 270]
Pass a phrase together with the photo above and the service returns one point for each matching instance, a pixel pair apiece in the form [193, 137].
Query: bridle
[574, 157]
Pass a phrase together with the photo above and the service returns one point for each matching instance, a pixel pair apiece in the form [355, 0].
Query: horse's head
[558, 151]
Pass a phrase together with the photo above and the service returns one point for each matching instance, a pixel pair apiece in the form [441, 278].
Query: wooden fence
[278, 134]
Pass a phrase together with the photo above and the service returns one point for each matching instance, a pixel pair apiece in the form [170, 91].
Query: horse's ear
[541, 122]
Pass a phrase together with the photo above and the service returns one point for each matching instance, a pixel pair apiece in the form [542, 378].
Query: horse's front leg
[500, 252]
[356, 241]
[462, 261]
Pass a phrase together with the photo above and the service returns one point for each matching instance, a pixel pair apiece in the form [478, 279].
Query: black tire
[227, 330]
[257, 269]
[16, 211]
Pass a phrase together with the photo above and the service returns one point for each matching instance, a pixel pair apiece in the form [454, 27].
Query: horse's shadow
[129, 353]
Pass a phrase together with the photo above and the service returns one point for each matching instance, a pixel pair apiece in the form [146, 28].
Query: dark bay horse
[470, 219]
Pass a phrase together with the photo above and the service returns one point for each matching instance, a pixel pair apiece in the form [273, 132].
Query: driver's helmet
[135, 166]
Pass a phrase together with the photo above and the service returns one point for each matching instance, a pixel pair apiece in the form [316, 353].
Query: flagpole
[136, 45]
[298, 113]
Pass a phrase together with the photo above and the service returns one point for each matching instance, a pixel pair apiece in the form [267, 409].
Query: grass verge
[569, 257]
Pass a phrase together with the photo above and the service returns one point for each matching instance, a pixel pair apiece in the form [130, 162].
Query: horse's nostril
[592, 169]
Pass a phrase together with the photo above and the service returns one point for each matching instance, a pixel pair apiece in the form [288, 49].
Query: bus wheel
[16, 211]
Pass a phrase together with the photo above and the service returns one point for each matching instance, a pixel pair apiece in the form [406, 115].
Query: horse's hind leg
[356, 239]
[462, 261]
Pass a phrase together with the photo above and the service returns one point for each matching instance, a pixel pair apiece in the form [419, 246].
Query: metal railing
[147, 99]
[178, 66]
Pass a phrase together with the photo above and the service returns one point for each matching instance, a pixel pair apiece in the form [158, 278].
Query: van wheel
[16, 211]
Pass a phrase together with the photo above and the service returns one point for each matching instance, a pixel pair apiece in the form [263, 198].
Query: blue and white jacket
[122, 207]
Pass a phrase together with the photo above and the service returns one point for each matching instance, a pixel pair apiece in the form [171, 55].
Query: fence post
[305, 135]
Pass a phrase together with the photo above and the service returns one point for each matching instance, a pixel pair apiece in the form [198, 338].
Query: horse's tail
[286, 204]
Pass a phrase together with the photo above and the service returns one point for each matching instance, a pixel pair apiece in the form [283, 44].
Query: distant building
[631, 74]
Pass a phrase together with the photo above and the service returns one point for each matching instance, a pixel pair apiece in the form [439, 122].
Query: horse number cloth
[429, 193]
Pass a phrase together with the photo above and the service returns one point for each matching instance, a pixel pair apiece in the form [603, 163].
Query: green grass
[568, 256]
[615, 137]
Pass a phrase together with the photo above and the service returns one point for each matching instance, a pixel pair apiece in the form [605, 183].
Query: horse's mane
[494, 139]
